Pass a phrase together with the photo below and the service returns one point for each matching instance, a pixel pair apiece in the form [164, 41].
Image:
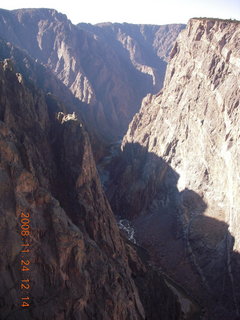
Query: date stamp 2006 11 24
[25, 263]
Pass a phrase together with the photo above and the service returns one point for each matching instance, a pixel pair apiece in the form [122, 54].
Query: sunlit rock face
[182, 149]
[109, 67]
[193, 123]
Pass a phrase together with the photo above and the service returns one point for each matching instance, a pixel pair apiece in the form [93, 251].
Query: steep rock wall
[180, 160]
[146, 47]
[192, 123]
[110, 76]
[79, 264]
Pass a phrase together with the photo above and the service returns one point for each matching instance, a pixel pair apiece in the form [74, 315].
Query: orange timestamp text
[25, 262]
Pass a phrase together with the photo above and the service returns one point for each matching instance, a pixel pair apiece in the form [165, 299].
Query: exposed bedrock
[180, 161]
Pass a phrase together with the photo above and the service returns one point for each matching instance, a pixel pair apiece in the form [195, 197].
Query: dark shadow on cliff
[193, 249]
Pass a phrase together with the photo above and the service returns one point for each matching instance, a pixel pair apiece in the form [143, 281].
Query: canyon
[180, 161]
[134, 212]
[81, 266]
[108, 67]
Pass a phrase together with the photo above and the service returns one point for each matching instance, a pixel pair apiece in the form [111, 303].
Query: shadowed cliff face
[110, 68]
[193, 249]
[191, 126]
[81, 268]
[193, 122]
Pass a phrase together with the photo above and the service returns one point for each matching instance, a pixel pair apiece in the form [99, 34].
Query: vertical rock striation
[145, 47]
[181, 159]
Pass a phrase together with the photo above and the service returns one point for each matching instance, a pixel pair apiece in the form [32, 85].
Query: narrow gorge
[82, 268]
[130, 176]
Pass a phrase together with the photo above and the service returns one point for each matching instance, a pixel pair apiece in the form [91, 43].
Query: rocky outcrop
[109, 68]
[78, 265]
[180, 160]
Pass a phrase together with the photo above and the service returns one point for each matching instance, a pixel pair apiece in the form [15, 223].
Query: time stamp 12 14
[25, 262]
